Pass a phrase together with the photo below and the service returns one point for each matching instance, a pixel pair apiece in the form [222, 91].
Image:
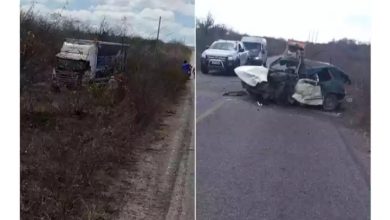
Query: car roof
[255, 39]
[227, 41]
[309, 64]
[314, 64]
[312, 67]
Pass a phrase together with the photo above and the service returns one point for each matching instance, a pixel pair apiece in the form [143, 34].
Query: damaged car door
[324, 86]
[308, 91]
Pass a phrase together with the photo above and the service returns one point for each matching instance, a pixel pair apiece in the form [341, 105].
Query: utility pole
[158, 31]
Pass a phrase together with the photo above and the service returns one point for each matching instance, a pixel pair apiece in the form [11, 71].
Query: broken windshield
[72, 65]
[281, 64]
[223, 46]
[252, 46]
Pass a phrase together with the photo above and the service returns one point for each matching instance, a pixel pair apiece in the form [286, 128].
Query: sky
[322, 20]
[177, 16]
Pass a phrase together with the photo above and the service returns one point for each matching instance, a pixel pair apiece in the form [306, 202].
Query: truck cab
[87, 61]
[257, 47]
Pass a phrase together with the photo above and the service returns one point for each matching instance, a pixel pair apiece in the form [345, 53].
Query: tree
[207, 24]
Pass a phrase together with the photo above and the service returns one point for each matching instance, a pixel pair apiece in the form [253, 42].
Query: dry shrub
[355, 59]
[66, 138]
[69, 137]
[159, 80]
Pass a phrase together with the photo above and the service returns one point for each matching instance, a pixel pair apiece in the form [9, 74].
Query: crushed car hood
[215, 52]
[252, 75]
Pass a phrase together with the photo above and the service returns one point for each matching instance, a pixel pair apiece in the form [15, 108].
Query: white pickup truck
[224, 55]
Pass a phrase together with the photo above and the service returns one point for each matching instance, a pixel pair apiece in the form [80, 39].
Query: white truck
[87, 61]
[257, 47]
[223, 55]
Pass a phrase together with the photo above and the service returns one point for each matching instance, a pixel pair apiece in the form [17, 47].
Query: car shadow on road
[222, 74]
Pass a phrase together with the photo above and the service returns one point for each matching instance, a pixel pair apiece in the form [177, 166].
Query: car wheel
[331, 102]
[230, 70]
[204, 69]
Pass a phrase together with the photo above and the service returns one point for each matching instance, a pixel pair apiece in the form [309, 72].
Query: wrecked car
[290, 80]
[88, 61]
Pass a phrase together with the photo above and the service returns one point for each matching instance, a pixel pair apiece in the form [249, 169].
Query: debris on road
[235, 93]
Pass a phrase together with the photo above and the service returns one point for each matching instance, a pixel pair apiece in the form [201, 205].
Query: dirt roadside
[161, 185]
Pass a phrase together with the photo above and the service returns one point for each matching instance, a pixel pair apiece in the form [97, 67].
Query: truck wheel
[331, 102]
[204, 69]
[230, 70]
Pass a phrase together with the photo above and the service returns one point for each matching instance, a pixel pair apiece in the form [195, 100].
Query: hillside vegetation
[73, 141]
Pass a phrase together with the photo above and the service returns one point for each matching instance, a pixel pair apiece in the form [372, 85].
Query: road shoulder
[151, 190]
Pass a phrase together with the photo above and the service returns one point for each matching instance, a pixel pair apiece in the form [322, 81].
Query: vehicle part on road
[235, 93]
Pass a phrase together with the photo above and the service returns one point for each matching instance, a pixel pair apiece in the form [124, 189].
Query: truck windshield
[73, 65]
[222, 46]
[252, 46]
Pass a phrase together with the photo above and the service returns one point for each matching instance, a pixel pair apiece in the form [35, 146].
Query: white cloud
[61, 1]
[179, 6]
[141, 15]
[155, 13]
[331, 19]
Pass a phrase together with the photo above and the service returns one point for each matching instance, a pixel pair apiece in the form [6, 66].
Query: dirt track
[161, 187]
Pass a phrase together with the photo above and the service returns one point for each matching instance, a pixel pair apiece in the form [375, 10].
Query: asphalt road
[272, 162]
